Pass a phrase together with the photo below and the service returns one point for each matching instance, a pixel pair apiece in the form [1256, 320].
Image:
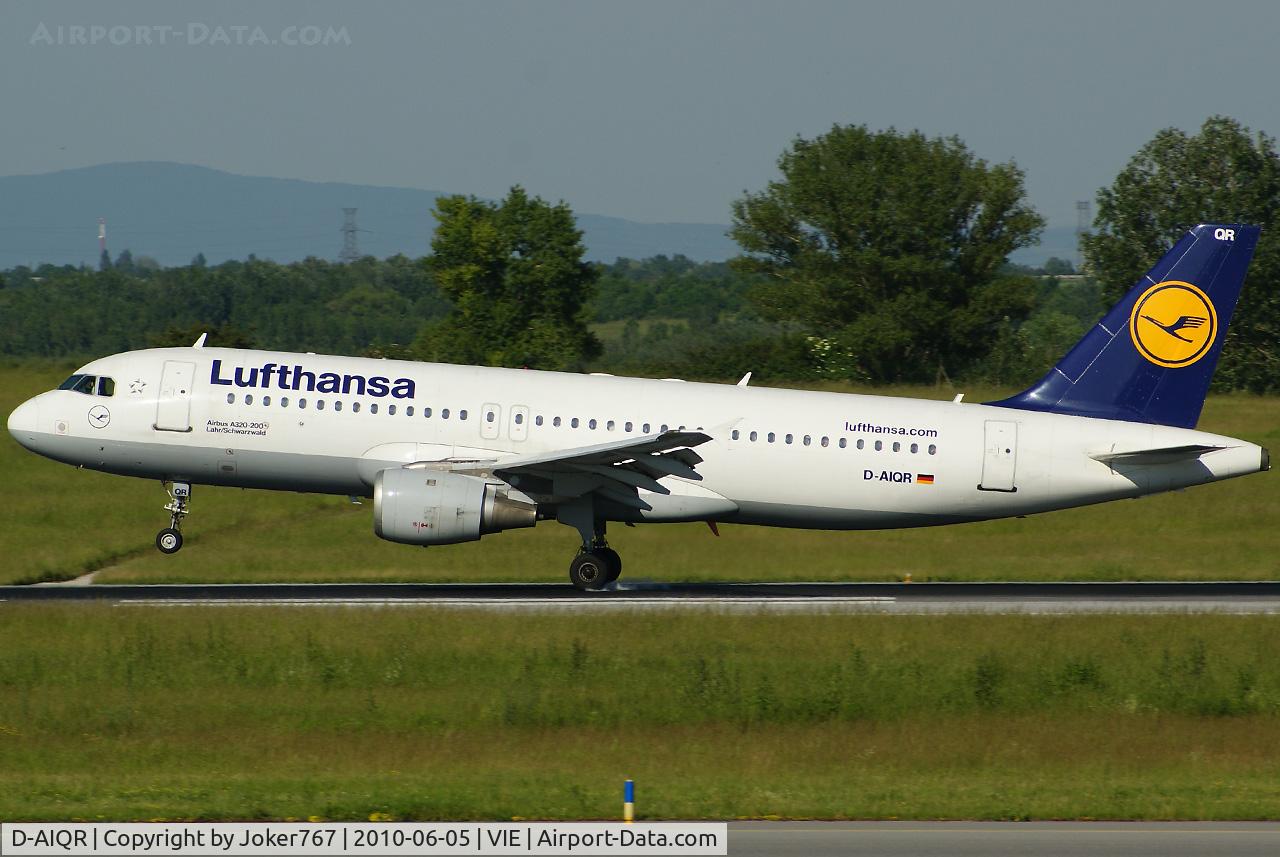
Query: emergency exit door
[173, 407]
[1000, 456]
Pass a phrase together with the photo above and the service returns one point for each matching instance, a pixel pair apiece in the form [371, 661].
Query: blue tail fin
[1151, 358]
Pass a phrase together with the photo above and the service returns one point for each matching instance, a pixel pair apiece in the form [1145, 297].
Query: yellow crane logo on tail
[1173, 324]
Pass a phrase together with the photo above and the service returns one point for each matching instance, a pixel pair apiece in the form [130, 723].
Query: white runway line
[732, 604]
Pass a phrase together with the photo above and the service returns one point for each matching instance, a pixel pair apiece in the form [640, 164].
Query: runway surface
[913, 598]
[1004, 839]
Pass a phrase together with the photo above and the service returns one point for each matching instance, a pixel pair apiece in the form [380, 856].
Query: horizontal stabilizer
[1166, 455]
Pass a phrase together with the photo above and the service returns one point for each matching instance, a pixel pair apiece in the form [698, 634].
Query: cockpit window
[71, 383]
[84, 384]
[90, 385]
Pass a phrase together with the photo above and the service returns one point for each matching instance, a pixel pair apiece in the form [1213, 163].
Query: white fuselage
[777, 457]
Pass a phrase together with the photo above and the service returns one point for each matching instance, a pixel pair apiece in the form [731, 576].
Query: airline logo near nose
[1173, 324]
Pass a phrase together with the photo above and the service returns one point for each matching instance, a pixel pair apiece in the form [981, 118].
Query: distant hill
[173, 211]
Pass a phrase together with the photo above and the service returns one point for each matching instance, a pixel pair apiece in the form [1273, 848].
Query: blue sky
[652, 111]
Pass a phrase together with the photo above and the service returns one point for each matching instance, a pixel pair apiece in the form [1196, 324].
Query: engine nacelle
[417, 506]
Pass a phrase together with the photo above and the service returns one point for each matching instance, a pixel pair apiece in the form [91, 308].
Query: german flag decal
[924, 478]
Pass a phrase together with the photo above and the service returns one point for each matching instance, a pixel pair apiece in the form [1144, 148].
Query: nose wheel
[169, 540]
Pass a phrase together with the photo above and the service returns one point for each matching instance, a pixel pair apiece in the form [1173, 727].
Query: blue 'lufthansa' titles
[296, 378]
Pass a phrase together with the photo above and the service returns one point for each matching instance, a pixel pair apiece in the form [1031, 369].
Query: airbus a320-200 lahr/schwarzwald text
[451, 453]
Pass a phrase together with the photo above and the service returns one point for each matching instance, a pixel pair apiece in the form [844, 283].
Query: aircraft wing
[613, 470]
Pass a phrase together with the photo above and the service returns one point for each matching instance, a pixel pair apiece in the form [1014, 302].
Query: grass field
[60, 523]
[139, 713]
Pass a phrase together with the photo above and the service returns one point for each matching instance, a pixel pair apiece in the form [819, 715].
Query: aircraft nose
[24, 421]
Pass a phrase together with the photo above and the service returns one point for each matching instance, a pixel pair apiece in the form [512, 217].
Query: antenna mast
[350, 251]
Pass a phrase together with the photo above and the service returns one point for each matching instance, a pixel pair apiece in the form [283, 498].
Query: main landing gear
[169, 540]
[595, 566]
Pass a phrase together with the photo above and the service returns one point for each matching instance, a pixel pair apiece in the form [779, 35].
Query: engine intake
[435, 507]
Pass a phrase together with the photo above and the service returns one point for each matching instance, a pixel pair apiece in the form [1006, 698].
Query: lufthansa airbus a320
[452, 453]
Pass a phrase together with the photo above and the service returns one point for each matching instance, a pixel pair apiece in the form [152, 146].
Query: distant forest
[662, 316]
[877, 257]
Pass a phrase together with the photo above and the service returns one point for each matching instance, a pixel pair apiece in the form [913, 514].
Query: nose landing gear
[169, 540]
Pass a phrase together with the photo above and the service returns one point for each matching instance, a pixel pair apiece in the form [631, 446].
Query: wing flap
[615, 470]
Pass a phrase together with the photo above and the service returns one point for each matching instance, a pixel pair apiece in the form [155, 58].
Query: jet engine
[417, 506]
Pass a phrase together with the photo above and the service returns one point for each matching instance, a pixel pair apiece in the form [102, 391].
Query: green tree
[1055, 267]
[221, 336]
[515, 275]
[888, 248]
[1222, 173]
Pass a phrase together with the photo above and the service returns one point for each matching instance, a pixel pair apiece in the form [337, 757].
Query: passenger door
[1000, 456]
[173, 407]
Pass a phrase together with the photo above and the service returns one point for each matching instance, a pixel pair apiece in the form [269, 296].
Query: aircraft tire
[169, 540]
[613, 561]
[589, 571]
